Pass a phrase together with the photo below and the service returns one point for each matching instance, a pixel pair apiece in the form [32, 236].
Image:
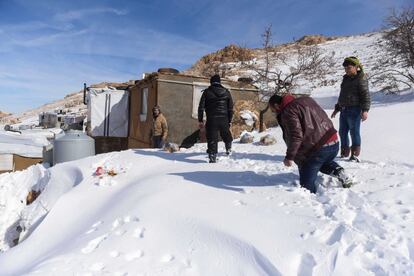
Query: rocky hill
[229, 61]
[235, 54]
[369, 48]
[3, 114]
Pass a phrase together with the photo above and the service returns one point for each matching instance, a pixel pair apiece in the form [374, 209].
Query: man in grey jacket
[353, 103]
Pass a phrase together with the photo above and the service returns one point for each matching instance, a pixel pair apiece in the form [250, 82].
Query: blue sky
[49, 48]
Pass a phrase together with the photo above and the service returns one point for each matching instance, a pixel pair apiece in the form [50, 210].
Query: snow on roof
[28, 143]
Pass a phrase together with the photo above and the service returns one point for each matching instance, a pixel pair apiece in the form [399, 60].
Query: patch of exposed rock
[209, 64]
[313, 39]
[246, 117]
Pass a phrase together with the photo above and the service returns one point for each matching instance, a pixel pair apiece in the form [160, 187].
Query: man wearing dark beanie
[310, 137]
[217, 102]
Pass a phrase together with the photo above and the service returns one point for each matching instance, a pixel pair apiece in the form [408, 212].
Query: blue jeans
[320, 161]
[350, 122]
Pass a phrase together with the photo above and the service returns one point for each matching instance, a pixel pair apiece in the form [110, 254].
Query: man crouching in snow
[310, 137]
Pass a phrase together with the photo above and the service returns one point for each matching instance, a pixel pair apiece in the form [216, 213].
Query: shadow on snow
[237, 181]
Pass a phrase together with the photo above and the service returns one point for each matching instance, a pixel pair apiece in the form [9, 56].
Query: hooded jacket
[217, 102]
[305, 126]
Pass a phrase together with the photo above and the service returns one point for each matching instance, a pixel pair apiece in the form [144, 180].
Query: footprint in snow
[307, 263]
[167, 258]
[404, 211]
[97, 267]
[120, 273]
[187, 263]
[94, 227]
[239, 203]
[121, 221]
[336, 235]
[96, 224]
[128, 219]
[139, 232]
[117, 223]
[306, 235]
[106, 182]
[91, 230]
[114, 254]
[410, 247]
[93, 244]
[120, 232]
[134, 255]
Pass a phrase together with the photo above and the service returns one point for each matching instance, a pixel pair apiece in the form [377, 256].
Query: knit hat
[275, 99]
[215, 79]
[352, 61]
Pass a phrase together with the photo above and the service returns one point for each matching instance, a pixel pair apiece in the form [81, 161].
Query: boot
[355, 154]
[345, 152]
[345, 179]
[228, 149]
[211, 158]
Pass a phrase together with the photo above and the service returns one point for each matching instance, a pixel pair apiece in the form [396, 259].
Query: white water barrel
[73, 145]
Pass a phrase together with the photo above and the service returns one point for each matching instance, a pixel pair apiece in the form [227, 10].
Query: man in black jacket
[217, 102]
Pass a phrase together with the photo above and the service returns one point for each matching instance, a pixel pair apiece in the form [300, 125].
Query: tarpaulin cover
[108, 112]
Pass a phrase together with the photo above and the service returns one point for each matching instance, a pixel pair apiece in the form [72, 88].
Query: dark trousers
[157, 142]
[321, 161]
[213, 127]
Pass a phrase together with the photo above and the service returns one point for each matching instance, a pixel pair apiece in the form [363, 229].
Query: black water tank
[168, 70]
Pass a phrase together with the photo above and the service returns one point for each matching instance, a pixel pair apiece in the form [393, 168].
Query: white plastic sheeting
[6, 162]
[198, 88]
[108, 112]
[28, 143]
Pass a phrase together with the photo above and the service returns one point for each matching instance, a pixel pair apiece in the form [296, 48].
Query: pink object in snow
[99, 171]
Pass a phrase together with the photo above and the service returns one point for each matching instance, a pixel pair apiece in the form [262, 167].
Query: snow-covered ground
[175, 214]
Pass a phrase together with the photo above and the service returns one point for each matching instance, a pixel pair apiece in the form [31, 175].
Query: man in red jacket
[310, 137]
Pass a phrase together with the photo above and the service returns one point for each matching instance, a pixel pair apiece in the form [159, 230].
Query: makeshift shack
[108, 118]
[49, 120]
[73, 121]
[178, 95]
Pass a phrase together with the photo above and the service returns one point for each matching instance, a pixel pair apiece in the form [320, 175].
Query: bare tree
[399, 38]
[281, 70]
